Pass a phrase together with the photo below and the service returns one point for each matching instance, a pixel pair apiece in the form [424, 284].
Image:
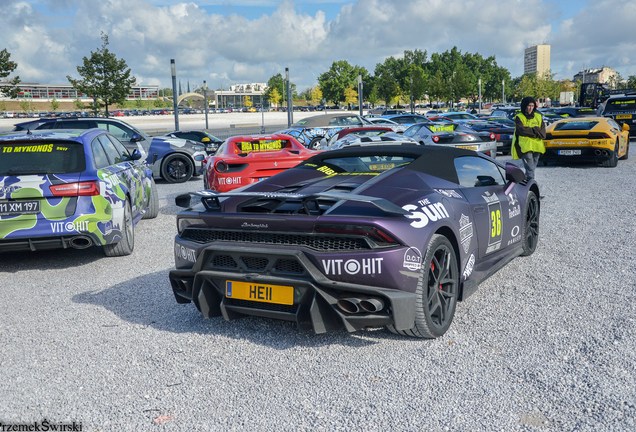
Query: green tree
[277, 82]
[105, 78]
[26, 106]
[54, 104]
[338, 78]
[6, 68]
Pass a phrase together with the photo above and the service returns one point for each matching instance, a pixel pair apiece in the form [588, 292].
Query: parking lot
[548, 343]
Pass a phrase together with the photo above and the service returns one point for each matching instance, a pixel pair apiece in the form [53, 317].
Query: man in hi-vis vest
[527, 143]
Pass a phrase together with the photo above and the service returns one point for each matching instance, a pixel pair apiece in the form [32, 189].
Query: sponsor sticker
[412, 259]
[185, 253]
[468, 269]
[364, 266]
[430, 212]
[465, 232]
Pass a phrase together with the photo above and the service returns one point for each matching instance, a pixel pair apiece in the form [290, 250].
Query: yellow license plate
[623, 116]
[468, 147]
[253, 291]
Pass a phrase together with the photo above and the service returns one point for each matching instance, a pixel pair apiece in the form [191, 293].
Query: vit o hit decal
[365, 266]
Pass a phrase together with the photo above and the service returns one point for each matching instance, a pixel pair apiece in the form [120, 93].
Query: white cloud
[49, 38]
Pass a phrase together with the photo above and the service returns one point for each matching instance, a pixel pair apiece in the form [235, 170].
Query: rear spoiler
[211, 199]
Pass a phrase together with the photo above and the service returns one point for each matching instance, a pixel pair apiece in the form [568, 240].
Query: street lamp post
[205, 101]
[290, 115]
[360, 94]
[173, 71]
[479, 81]
[503, 91]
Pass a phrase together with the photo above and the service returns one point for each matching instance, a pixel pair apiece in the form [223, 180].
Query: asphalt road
[546, 344]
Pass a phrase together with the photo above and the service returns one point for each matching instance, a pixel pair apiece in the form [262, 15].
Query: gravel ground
[546, 344]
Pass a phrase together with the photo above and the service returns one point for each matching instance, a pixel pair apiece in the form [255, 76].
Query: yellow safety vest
[528, 144]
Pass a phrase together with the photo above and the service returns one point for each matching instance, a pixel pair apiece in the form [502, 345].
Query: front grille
[290, 266]
[255, 263]
[238, 262]
[224, 262]
[316, 242]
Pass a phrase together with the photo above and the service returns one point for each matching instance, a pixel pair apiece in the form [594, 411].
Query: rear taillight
[435, 138]
[376, 234]
[221, 166]
[492, 136]
[88, 188]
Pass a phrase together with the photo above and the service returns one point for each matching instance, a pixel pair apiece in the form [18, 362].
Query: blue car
[171, 158]
[72, 189]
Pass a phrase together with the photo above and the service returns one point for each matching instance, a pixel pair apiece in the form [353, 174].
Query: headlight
[183, 223]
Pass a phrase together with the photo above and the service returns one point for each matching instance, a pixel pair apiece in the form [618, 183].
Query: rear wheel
[177, 168]
[126, 245]
[530, 237]
[613, 159]
[153, 205]
[436, 293]
[314, 143]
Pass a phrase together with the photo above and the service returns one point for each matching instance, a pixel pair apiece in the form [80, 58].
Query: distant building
[236, 96]
[536, 59]
[602, 75]
[61, 92]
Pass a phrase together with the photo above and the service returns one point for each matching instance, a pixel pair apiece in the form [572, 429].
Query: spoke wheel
[437, 290]
[177, 168]
[531, 225]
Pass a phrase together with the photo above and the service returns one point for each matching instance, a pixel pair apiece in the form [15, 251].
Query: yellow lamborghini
[594, 139]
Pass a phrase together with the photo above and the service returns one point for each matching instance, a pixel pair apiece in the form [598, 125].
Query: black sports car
[365, 236]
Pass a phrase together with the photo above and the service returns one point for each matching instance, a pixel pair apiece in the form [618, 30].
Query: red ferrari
[243, 160]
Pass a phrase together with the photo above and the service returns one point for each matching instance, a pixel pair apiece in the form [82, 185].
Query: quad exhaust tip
[355, 305]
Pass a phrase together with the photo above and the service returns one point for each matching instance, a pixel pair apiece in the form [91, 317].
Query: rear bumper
[80, 241]
[317, 303]
[589, 154]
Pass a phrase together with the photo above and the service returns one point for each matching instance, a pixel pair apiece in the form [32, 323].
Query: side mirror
[136, 137]
[625, 127]
[135, 155]
[514, 173]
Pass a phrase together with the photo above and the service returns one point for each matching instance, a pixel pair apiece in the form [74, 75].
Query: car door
[497, 215]
[123, 175]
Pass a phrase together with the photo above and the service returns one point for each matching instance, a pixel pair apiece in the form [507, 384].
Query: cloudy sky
[238, 41]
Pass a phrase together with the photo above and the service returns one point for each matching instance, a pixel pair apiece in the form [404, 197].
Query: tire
[153, 205]
[314, 142]
[177, 168]
[437, 290]
[530, 234]
[612, 162]
[126, 245]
